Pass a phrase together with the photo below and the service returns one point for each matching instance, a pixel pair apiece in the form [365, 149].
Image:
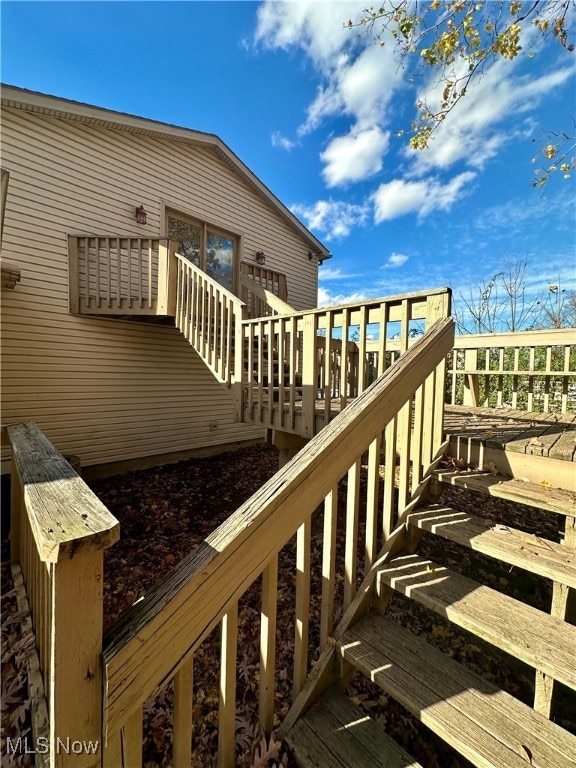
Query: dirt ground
[165, 512]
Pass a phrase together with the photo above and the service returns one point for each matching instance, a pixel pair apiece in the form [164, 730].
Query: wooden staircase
[486, 725]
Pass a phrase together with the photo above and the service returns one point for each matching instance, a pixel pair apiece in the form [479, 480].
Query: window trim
[205, 227]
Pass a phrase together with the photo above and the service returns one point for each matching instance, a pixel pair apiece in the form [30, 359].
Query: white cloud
[328, 299]
[358, 80]
[473, 132]
[330, 273]
[332, 218]
[278, 140]
[396, 260]
[354, 157]
[400, 197]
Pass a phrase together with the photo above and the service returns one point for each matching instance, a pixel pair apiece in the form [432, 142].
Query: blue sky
[314, 111]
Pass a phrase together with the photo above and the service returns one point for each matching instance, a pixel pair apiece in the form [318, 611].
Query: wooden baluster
[328, 566]
[327, 382]
[430, 399]
[268, 645]
[417, 433]
[344, 360]
[565, 379]
[227, 709]
[388, 512]
[404, 422]
[131, 741]
[500, 401]
[281, 368]
[108, 273]
[362, 365]
[382, 340]
[98, 295]
[250, 372]
[182, 719]
[350, 555]
[129, 264]
[293, 368]
[531, 365]
[303, 539]
[372, 492]
[487, 379]
[515, 378]
[140, 272]
[546, 403]
[271, 350]
[261, 370]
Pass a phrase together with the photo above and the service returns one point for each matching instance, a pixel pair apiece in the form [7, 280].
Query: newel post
[167, 275]
[75, 690]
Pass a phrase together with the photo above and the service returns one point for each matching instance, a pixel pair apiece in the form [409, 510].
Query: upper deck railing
[302, 368]
[529, 370]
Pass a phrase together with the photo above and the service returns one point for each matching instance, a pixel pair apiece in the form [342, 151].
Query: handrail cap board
[65, 516]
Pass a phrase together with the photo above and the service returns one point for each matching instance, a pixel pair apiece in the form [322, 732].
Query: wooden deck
[537, 434]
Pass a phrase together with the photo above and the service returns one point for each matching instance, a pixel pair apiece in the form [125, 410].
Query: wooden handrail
[65, 516]
[148, 646]
[210, 317]
[548, 337]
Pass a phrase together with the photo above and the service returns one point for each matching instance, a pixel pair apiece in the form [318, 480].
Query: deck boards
[487, 725]
[550, 435]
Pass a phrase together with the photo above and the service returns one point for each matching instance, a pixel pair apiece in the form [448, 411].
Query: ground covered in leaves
[166, 512]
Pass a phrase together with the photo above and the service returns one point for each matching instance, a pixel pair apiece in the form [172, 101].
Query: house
[117, 387]
[158, 299]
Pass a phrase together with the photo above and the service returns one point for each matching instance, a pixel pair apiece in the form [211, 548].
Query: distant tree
[502, 302]
[458, 40]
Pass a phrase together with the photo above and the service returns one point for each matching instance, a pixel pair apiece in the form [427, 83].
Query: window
[215, 252]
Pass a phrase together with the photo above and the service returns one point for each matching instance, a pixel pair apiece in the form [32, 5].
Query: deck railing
[155, 642]
[59, 531]
[118, 275]
[210, 317]
[314, 362]
[530, 370]
[261, 302]
[269, 279]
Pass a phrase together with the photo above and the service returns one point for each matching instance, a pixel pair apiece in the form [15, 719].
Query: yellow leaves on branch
[450, 33]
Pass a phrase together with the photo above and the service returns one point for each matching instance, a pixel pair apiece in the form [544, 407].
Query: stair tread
[541, 640]
[488, 726]
[335, 733]
[525, 550]
[562, 502]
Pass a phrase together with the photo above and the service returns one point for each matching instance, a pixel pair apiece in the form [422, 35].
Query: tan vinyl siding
[110, 390]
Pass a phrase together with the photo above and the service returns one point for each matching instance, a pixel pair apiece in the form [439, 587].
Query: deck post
[73, 276]
[471, 391]
[288, 446]
[309, 377]
[75, 705]
[167, 272]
